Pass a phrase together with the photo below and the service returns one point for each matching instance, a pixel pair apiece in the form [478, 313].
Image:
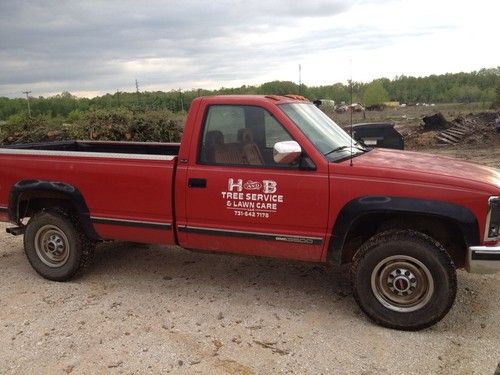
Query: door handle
[197, 183]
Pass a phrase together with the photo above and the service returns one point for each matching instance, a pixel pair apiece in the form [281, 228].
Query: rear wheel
[55, 245]
[404, 280]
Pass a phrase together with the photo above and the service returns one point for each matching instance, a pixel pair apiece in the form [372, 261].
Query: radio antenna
[351, 109]
[300, 79]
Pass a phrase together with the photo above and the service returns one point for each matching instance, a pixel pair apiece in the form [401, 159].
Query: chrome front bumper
[484, 259]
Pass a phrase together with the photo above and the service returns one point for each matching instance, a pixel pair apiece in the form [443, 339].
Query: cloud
[106, 44]
[102, 46]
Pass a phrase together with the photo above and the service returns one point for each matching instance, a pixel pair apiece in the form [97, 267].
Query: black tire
[55, 245]
[404, 280]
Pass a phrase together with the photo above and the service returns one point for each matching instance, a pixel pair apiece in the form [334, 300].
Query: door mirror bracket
[306, 164]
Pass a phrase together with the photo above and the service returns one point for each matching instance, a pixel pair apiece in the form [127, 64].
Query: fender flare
[359, 207]
[51, 189]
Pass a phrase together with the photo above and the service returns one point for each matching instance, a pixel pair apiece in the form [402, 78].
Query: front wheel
[404, 280]
[55, 245]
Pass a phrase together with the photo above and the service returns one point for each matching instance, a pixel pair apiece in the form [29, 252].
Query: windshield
[329, 138]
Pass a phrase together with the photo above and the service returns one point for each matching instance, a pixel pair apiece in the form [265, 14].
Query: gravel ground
[489, 156]
[150, 309]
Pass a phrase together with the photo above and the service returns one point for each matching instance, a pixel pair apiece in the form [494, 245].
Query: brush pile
[102, 125]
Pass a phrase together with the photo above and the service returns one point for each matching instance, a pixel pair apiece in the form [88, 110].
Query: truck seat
[229, 153]
[242, 152]
[250, 150]
[213, 140]
[218, 152]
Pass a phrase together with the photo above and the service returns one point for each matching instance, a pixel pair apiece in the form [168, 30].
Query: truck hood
[416, 166]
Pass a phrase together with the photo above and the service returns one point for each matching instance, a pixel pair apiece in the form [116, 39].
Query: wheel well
[446, 231]
[31, 201]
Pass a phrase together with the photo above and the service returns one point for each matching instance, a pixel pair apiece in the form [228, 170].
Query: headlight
[493, 219]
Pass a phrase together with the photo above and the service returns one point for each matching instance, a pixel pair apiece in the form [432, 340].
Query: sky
[91, 47]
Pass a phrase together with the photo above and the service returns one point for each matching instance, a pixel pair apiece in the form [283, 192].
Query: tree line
[478, 86]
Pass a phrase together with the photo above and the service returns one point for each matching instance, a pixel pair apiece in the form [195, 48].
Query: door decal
[252, 198]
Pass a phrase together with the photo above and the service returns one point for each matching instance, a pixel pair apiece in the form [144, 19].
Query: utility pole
[28, 99]
[137, 92]
[182, 101]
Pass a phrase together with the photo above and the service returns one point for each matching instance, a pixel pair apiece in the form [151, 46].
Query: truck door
[239, 200]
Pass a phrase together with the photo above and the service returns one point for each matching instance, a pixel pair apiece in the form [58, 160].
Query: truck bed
[127, 186]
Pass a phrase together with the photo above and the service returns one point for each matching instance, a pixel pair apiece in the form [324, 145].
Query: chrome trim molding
[76, 154]
[484, 259]
[253, 235]
[127, 143]
[130, 223]
[4, 209]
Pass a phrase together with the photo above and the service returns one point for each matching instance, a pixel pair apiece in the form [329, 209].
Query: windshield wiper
[336, 149]
[343, 148]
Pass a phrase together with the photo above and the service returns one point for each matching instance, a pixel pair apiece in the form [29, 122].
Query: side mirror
[286, 152]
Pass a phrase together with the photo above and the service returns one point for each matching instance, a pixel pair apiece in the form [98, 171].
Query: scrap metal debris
[454, 134]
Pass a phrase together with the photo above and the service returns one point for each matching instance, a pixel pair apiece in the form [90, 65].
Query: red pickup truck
[270, 176]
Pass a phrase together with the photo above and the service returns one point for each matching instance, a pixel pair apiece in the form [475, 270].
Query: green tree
[452, 87]
[496, 103]
[374, 94]
[74, 115]
[279, 88]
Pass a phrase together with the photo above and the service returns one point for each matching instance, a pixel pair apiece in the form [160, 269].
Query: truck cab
[237, 193]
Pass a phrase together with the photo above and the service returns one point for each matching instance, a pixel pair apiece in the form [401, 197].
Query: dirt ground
[140, 309]
[144, 309]
[489, 156]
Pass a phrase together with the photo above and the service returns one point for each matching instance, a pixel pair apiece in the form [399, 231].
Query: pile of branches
[24, 129]
[104, 125]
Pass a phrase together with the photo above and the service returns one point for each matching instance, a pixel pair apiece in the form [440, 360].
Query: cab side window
[274, 131]
[240, 135]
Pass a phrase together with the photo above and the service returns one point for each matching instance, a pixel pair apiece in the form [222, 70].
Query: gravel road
[149, 309]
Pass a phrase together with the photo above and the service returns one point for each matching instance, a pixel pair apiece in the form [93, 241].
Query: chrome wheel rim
[52, 246]
[402, 283]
